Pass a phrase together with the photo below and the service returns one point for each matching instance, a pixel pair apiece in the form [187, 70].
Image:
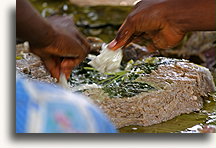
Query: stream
[102, 22]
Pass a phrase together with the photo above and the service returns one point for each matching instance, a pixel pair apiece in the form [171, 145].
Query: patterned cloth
[47, 108]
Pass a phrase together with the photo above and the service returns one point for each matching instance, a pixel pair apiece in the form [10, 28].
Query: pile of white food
[108, 60]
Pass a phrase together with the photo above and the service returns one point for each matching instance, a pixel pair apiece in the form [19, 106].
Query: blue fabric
[102, 125]
[67, 116]
[22, 100]
[47, 108]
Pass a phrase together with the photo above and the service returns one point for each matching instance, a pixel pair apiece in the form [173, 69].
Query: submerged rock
[198, 47]
[136, 52]
[172, 88]
[95, 45]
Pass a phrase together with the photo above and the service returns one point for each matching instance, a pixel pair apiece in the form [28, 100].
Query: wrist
[191, 15]
[31, 27]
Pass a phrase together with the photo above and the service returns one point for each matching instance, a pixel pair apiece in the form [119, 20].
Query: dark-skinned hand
[67, 49]
[163, 23]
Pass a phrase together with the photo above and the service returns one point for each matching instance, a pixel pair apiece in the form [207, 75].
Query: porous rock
[180, 88]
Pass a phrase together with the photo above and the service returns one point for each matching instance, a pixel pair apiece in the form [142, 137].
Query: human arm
[55, 39]
[165, 22]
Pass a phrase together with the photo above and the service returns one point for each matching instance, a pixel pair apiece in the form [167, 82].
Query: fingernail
[112, 44]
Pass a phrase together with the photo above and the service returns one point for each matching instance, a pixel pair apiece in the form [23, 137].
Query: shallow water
[99, 21]
[102, 22]
[185, 123]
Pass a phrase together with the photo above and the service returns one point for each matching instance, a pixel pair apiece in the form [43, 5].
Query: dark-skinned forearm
[193, 15]
[30, 26]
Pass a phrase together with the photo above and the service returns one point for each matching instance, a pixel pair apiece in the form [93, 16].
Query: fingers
[67, 65]
[144, 18]
[53, 66]
[123, 37]
[68, 47]
[68, 41]
[57, 65]
[67, 50]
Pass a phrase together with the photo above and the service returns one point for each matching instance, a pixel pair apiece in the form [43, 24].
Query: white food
[63, 81]
[108, 60]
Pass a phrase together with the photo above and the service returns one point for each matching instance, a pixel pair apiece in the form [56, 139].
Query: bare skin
[165, 22]
[55, 39]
